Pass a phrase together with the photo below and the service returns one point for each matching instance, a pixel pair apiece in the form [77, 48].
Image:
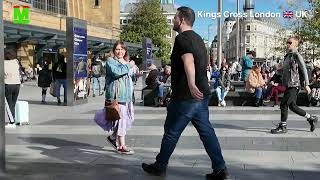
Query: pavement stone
[64, 143]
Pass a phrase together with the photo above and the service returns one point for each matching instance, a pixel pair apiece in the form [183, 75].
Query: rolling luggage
[22, 113]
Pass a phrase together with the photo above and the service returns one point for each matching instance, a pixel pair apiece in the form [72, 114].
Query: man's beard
[176, 28]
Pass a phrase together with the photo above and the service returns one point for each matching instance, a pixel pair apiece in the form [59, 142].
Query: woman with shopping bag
[119, 90]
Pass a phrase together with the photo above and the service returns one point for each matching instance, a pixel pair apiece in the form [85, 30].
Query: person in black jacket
[60, 78]
[152, 82]
[44, 80]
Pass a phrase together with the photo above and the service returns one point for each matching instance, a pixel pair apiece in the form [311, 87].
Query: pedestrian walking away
[12, 82]
[294, 77]
[189, 99]
[97, 71]
[44, 80]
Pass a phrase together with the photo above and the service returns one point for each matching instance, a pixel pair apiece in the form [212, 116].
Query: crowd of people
[264, 81]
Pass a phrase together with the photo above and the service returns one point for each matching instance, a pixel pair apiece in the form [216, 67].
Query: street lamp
[238, 32]
[209, 31]
[219, 34]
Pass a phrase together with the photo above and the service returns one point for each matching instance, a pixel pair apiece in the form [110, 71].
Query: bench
[148, 97]
[240, 97]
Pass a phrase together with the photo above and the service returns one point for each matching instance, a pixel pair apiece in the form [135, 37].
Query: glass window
[26, 1]
[248, 27]
[54, 6]
[248, 39]
[96, 2]
[247, 50]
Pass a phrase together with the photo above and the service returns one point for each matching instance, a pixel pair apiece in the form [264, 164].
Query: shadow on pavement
[48, 103]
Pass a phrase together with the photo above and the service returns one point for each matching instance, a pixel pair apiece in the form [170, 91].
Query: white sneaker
[223, 103]
[10, 125]
[219, 104]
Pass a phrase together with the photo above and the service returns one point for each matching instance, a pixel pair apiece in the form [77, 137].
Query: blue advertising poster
[80, 62]
[149, 54]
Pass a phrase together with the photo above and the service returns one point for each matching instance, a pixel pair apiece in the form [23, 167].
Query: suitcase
[22, 113]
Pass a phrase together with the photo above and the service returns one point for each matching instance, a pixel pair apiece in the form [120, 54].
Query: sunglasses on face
[289, 42]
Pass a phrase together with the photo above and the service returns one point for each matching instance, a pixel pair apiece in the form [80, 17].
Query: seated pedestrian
[314, 97]
[276, 87]
[256, 84]
[164, 86]
[214, 80]
[223, 85]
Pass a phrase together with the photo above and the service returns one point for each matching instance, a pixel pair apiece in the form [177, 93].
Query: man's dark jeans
[180, 113]
[290, 101]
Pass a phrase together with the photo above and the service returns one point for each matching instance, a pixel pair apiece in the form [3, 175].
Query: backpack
[96, 70]
[239, 68]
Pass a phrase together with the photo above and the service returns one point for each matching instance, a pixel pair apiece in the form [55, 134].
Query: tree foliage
[147, 20]
[307, 28]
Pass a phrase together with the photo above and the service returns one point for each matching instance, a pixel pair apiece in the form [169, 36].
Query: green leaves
[147, 20]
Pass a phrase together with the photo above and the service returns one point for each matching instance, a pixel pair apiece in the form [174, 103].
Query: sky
[202, 23]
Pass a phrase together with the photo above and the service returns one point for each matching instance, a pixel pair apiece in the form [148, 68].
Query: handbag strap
[116, 89]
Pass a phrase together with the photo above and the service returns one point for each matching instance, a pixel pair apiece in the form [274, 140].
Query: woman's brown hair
[10, 54]
[123, 46]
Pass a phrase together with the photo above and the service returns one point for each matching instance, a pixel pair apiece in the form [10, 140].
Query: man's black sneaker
[112, 142]
[313, 120]
[221, 175]
[281, 129]
[154, 169]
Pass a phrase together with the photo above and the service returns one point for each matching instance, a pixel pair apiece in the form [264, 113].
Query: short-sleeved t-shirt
[188, 42]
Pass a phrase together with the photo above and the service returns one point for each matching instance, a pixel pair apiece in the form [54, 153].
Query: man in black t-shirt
[190, 97]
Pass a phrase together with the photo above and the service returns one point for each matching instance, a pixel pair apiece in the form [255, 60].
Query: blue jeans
[260, 93]
[221, 93]
[180, 113]
[97, 81]
[162, 90]
[62, 82]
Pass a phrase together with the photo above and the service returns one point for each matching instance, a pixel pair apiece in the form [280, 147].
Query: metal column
[238, 33]
[2, 100]
[219, 35]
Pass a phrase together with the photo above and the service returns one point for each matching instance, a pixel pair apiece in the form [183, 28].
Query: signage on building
[77, 65]
[21, 14]
[80, 52]
[147, 52]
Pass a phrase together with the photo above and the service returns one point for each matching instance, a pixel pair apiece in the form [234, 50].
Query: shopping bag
[100, 119]
[53, 89]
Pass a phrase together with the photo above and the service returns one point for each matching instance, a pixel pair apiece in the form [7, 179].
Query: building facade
[47, 26]
[261, 35]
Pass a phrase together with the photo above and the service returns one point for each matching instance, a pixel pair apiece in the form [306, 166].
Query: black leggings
[12, 93]
[290, 101]
[44, 91]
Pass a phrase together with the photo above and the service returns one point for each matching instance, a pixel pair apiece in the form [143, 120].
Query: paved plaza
[64, 143]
